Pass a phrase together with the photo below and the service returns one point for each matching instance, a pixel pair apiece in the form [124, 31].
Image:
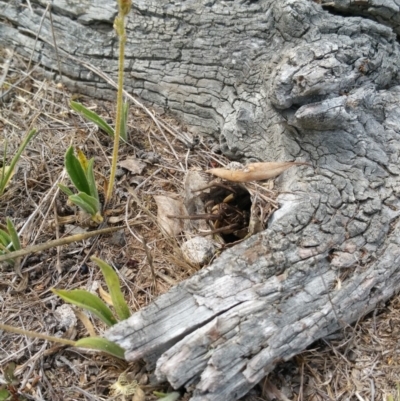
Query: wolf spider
[227, 211]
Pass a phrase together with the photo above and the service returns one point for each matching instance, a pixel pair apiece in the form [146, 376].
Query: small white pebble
[66, 316]
[198, 250]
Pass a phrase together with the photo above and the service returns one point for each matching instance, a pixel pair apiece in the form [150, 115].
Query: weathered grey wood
[273, 80]
[385, 12]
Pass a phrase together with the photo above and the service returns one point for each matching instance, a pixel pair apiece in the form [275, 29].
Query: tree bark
[274, 81]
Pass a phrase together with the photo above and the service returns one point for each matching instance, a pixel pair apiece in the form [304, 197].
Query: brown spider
[227, 211]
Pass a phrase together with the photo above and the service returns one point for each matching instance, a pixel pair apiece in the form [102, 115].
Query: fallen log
[274, 81]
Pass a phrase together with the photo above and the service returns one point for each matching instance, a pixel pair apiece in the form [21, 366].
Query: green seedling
[114, 287]
[102, 124]
[93, 303]
[92, 116]
[120, 131]
[80, 171]
[6, 172]
[9, 240]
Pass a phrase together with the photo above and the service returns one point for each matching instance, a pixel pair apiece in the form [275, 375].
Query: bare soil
[358, 363]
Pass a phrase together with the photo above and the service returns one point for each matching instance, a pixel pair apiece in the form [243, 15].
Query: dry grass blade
[148, 264]
[86, 322]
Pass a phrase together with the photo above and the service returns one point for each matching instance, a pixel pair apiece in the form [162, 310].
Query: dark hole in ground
[231, 206]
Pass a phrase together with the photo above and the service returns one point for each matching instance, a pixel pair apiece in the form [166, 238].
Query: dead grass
[35, 205]
[361, 364]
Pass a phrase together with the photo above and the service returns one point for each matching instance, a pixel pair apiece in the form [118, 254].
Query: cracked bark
[274, 81]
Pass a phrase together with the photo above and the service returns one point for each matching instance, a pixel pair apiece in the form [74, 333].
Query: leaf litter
[361, 362]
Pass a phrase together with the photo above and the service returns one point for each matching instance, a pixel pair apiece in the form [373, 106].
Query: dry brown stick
[37, 34]
[55, 42]
[57, 242]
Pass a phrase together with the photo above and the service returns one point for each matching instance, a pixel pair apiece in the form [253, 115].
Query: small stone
[66, 316]
[198, 250]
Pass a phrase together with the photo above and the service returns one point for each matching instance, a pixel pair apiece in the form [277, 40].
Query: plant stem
[120, 28]
[32, 334]
[57, 242]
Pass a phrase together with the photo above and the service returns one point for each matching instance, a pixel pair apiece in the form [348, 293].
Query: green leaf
[88, 204]
[13, 234]
[124, 119]
[65, 189]
[88, 301]
[3, 249]
[167, 396]
[91, 200]
[92, 180]
[76, 172]
[114, 288]
[101, 344]
[4, 394]
[92, 116]
[7, 173]
[86, 207]
[5, 239]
